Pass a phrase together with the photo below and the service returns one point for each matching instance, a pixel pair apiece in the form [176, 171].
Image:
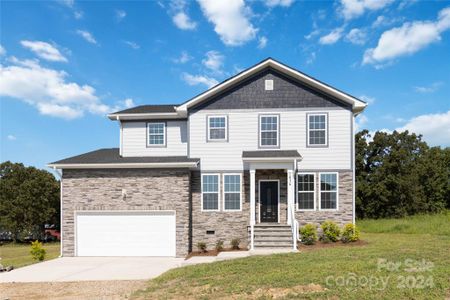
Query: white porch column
[290, 194]
[252, 208]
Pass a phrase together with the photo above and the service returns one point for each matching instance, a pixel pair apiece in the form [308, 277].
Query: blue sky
[66, 64]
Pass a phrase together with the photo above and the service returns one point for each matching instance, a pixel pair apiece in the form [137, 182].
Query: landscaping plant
[219, 245]
[350, 233]
[201, 246]
[37, 251]
[330, 232]
[308, 234]
[235, 243]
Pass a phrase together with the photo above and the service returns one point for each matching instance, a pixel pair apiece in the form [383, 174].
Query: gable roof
[357, 104]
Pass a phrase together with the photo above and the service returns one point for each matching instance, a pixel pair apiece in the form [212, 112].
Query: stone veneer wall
[226, 225]
[281, 175]
[343, 215]
[147, 189]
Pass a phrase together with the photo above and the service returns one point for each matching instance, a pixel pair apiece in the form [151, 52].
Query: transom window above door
[217, 128]
[156, 134]
[269, 126]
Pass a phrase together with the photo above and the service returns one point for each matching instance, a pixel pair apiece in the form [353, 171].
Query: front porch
[272, 198]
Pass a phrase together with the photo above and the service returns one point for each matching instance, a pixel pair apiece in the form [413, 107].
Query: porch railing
[294, 226]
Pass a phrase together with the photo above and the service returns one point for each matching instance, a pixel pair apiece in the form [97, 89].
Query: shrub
[308, 234]
[235, 243]
[201, 246]
[37, 252]
[350, 233]
[330, 232]
[219, 245]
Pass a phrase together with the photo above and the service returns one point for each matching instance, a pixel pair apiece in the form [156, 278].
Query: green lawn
[18, 255]
[418, 268]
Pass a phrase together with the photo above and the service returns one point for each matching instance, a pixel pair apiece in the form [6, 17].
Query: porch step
[278, 244]
[272, 236]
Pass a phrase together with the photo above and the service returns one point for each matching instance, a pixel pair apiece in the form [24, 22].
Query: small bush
[37, 252]
[308, 234]
[235, 243]
[219, 245]
[201, 246]
[330, 232]
[350, 233]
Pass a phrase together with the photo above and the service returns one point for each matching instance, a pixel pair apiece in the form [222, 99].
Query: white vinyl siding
[317, 130]
[134, 139]
[243, 136]
[328, 191]
[210, 192]
[269, 131]
[232, 192]
[156, 134]
[217, 128]
[306, 191]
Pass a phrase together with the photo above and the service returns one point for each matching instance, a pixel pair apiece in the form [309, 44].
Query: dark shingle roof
[111, 156]
[148, 109]
[270, 153]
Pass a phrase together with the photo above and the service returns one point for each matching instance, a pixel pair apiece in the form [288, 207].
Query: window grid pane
[210, 192]
[156, 133]
[306, 188]
[317, 129]
[269, 130]
[217, 128]
[328, 191]
[232, 190]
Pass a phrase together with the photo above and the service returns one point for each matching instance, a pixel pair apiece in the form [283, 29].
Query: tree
[29, 198]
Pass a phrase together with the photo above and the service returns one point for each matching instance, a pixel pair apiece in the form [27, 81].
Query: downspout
[60, 211]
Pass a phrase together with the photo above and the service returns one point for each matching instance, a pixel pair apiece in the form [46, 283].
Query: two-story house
[252, 158]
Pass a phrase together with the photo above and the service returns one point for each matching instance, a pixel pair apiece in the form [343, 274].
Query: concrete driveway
[93, 268]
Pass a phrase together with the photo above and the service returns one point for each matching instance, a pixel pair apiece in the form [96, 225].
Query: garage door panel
[126, 234]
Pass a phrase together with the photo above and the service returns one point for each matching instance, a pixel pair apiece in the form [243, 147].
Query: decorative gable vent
[269, 84]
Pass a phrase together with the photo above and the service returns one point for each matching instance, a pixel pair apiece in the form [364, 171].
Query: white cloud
[120, 15]
[262, 42]
[356, 36]
[183, 21]
[351, 9]
[44, 50]
[368, 99]
[87, 36]
[132, 44]
[213, 60]
[360, 121]
[312, 34]
[11, 137]
[284, 3]
[78, 14]
[199, 79]
[429, 89]
[48, 90]
[2, 50]
[406, 3]
[183, 58]
[68, 3]
[331, 38]
[435, 128]
[230, 19]
[407, 39]
[311, 58]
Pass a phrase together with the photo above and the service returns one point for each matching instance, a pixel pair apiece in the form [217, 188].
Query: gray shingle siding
[287, 93]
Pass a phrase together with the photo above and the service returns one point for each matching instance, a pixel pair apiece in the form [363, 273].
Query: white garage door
[150, 233]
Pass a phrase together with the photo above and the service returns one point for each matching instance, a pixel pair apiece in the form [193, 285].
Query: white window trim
[315, 191]
[218, 192]
[164, 134]
[337, 192]
[260, 131]
[208, 138]
[308, 130]
[240, 192]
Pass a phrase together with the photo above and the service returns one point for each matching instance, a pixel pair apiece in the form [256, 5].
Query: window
[268, 130]
[156, 134]
[268, 84]
[232, 192]
[306, 191]
[217, 128]
[328, 191]
[317, 130]
[210, 192]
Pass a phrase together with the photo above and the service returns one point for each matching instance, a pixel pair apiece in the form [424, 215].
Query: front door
[268, 196]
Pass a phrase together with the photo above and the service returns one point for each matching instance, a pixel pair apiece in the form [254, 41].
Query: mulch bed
[211, 252]
[320, 245]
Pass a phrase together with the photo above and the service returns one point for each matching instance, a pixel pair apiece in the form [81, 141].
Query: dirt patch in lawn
[211, 252]
[277, 293]
[118, 289]
[320, 245]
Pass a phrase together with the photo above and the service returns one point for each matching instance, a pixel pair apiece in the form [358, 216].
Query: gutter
[125, 165]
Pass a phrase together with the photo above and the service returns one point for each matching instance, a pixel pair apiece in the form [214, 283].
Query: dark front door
[269, 201]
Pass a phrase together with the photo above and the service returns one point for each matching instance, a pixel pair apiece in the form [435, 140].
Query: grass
[18, 255]
[318, 274]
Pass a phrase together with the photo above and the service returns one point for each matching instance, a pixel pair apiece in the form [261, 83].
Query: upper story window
[210, 192]
[217, 128]
[232, 192]
[317, 129]
[156, 134]
[269, 131]
[306, 189]
[328, 190]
